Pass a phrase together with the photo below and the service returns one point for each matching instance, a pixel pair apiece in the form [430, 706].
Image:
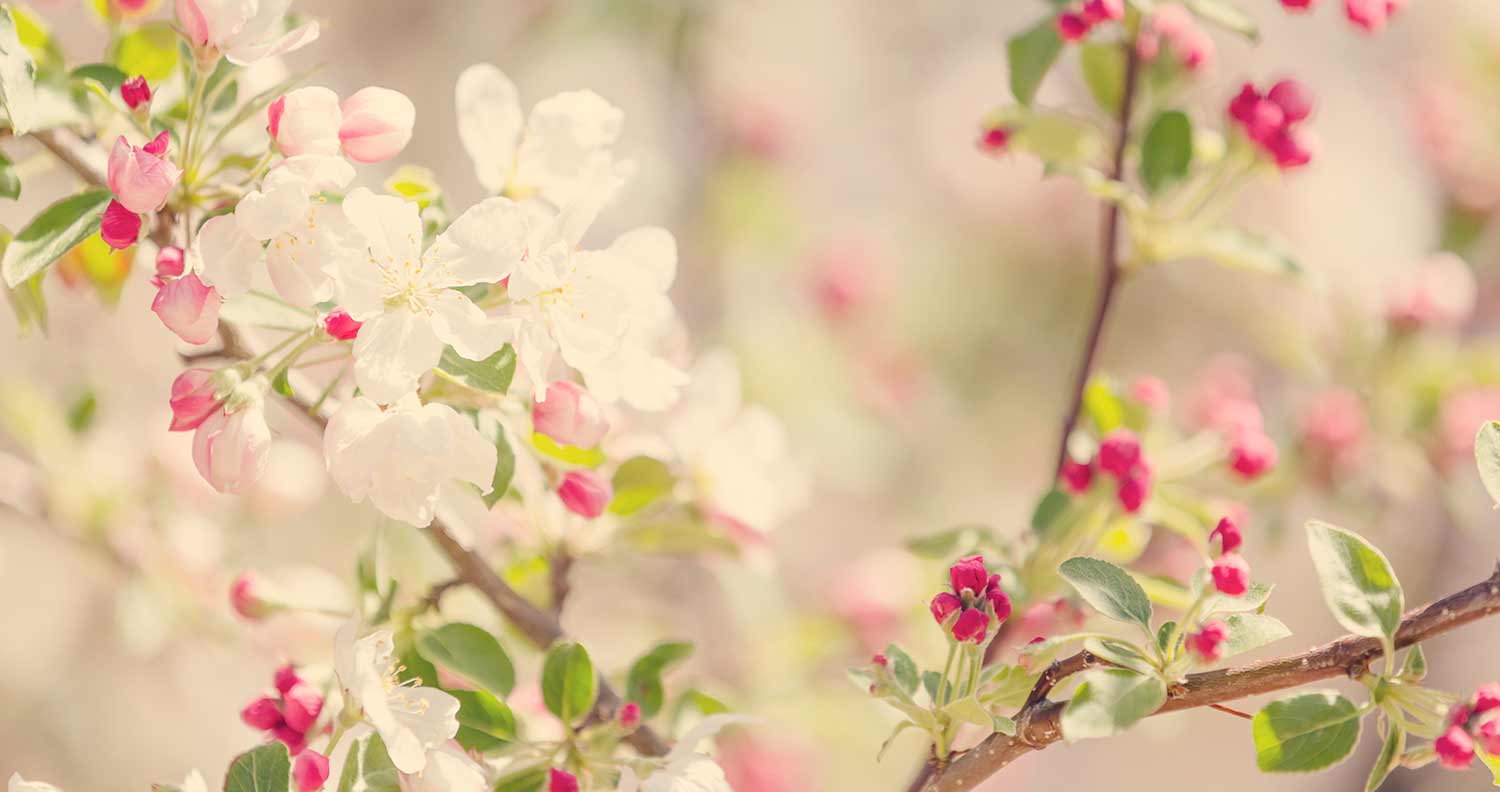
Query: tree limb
[1039, 723]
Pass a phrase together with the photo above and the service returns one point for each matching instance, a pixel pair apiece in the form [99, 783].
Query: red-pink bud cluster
[1371, 15]
[1273, 121]
[1075, 23]
[136, 93]
[1120, 456]
[974, 600]
[1475, 722]
[289, 715]
[1208, 641]
[1173, 26]
[1231, 572]
[1225, 402]
[993, 139]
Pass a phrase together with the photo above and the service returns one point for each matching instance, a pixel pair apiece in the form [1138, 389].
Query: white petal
[389, 227]
[448, 770]
[489, 122]
[483, 245]
[566, 138]
[230, 256]
[316, 173]
[248, 52]
[462, 324]
[265, 214]
[471, 457]
[353, 446]
[651, 254]
[391, 352]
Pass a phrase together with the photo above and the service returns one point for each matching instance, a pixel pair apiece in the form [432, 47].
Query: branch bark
[1039, 723]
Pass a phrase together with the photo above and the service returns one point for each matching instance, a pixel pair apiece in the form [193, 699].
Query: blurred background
[913, 309]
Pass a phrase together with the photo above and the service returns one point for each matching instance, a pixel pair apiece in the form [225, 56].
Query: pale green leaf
[58, 229]
[469, 652]
[639, 482]
[1104, 73]
[17, 78]
[1305, 732]
[1109, 701]
[1487, 455]
[1109, 589]
[493, 374]
[264, 769]
[569, 685]
[1358, 583]
[1248, 631]
[643, 684]
[1389, 758]
[1031, 54]
[1167, 152]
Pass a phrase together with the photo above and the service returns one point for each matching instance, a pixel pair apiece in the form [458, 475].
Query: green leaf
[569, 685]
[1227, 15]
[1415, 665]
[493, 374]
[1048, 510]
[282, 384]
[1358, 583]
[944, 545]
[1104, 73]
[106, 75]
[580, 457]
[150, 51]
[1490, 762]
[81, 412]
[1308, 731]
[639, 482]
[58, 229]
[1120, 653]
[1237, 248]
[529, 779]
[1167, 151]
[10, 180]
[643, 683]
[1389, 758]
[1109, 701]
[1165, 591]
[485, 722]
[969, 710]
[1253, 599]
[903, 668]
[17, 78]
[368, 767]
[1109, 589]
[469, 652]
[29, 303]
[257, 309]
[264, 769]
[1487, 455]
[1248, 631]
[1030, 54]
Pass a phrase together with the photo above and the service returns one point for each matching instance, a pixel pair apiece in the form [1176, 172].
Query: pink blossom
[376, 124]
[1076, 477]
[1293, 99]
[136, 93]
[999, 603]
[1242, 107]
[310, 771]
[994, 139]
[570, 415]
[972, 626]
[294, 740]
[1292, 148]
[969, 573]
[1297, 6]
[341, 325]
[246, 600]
[561, 781]
[141, 178]
[1134, 490]
[1439, 292]
[1252, 454]
[1072, 26]
[1231, 574]
[120, 227]
[1455, 748]
[630, 716]
[1370, 15]
[1151, 392]
[1098, 11]
[305, 121]
[263, 714]
[170, 262]
[1486, 698]
[1227, 533]
[585, 493]
[193, 399]
[230, 449]
[300, 706]
[286, 678]
[188, 308]
[943, 605]
[1119, 453]
[1208, 641]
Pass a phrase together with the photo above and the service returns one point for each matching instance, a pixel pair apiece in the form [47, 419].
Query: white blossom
[19, 784]
[411, 720]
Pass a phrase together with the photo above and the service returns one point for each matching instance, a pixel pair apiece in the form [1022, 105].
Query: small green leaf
[1248, 631]
[1237, 248]
[1167, 151]
[58, 229]
[106, 75]
[643, 683]
[81, 412]
[485, 722]
[969, 710]
[368, 767]
[29, 303]
[493, 374]
[1389, 758]
[1305, 732]
[569, 685]
[1358, 583]
[505, 464]
[1120, 653]
[1049, 510]
[150, 51]
[1104, 73]
[469, 652]
[1487, 455]
[1227, 15]
[580, 457]
[530, 779]
[1030, 54]
[10, 180]
[1109, 589]
[903, 668]
[1109, 701]
[264, 769]
[282, 385]
[17, 78]
[1415, 665]
[639, 482]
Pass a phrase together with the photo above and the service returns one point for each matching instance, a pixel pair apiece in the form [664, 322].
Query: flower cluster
[1369, 16]
[1225, 403]
[974, 601]
[1230, 571]
[1075, 23]
[1173, 27]
[140, 178]
[291, 714]
[1272, 121]
[1470, 726]
[1120, 456]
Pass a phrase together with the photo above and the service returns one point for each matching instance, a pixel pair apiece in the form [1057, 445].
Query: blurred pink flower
[1439, 292]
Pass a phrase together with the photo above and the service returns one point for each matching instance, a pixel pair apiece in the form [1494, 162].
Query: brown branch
[1039, 724]
[561, 569]
[76, 153]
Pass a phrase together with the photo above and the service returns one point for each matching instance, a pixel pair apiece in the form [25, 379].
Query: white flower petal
[566, 144]
[230, 256]
[353, 446]
[391, 352]
[463, 325]
[651, 254]
[390, 229]
[489, 122]
[265, 214]
[471, 458]
[483, 245]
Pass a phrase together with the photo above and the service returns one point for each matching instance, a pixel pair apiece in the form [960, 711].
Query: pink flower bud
[1072, 26]
[1438, 292]
[994, 139]
[1292, 148]
[1151, 392]
[140, 177]
[136, 92]
[1369, 15]
[1242, 106]
[972, 626]
[310, 771]
[189, 308]
[294, 740]
[193, 399]
[630, 716]
[376, 124]
[1097, 11]
[1228, 534]
[286, 678]
[262, 714]
[300, 706]
[245, 599]
[230, 449]
[1455, 749]
[1207, 642]
[1252, 454]
[1297, 6]
[1076, 476]
[1119, 452]
[1135, 490]
[999, 603]
[585, 493]
[305, 121]
[944, 605]
[120, 227]
[880, 660]
[1195, 48]
[1293, 99]
[341, 325]
[1489, 736]
[561, 781]
[1266, 119]
[969, 573]
[570, 415]
[1459, 715]
[169, 262]
[1486, 698]
[1231, 574]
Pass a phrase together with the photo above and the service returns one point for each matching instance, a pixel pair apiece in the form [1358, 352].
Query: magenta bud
[1072, 26]
[286, 678]
[1228, 535]
[1076, 477]
[136, 92]
[561, 781]
[245, 598]
[972, 626]
[1252, 454]
[944, 605]
[193, 399]
[1293, 99]
[1455, 749]
[585, 493]
[630, 716]
[300, 706]
[1119, 453]
[262, 714]
[570, 415]
[310, 771]
[341, 325]
[1207, 642]
[1231, 574]
[1486, 698]
[969, 573]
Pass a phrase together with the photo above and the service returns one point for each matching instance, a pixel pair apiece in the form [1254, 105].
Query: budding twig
[1039, 722]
